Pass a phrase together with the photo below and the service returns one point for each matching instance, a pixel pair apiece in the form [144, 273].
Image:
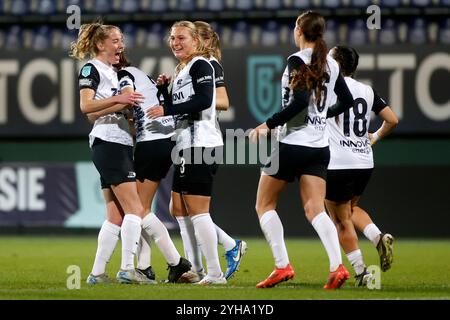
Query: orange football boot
[278, 275]
[337, 278]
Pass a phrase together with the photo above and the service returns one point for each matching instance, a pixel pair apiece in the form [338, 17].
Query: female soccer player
[192, 100]
[235, 249]
[308, 83]
[112, 147]
[351, 165]
[152, 160]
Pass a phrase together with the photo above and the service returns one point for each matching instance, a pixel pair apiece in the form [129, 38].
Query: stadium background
[47, 182]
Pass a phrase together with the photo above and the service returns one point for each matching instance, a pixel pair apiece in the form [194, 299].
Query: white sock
[144, 252]
[156, 229]
[224, 239]
[206, 236]
[192, 251]
[107, 241]
[356, 260]
[372, 233]
[327, 232]
[273, 231]
[130, 234]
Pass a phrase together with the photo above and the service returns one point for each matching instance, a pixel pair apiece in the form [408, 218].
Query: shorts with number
[114, 162]
[289, 161]
[194, 177]
[152, 159]
[344, 184]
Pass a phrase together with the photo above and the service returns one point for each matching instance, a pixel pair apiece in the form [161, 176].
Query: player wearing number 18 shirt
[351, 164]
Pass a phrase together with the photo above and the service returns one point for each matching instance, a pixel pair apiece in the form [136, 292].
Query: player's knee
[261, 208]
[312, 209]
[140, 210]
[116, 219]
[308, 208]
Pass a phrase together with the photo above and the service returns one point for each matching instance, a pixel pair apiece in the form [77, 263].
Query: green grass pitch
[36, 268]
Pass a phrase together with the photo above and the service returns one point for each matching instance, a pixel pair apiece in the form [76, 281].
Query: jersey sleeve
[89, 77]
[126, 80]
[294, 64]
[345, 99]
[378, 103]
[201, 73]
[219, 76]
[298, 102]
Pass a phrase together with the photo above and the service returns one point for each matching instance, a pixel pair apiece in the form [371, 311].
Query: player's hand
[91, 117]
[372, 139]
[259, 131]
[155, 112]
[163, 80]
[129, 98]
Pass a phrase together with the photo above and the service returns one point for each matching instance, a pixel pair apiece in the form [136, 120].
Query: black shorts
[344, 184]
[194, 178]
[152, 159]
[114, 162]
[294, 161]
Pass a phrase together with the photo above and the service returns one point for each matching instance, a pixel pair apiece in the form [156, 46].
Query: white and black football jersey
[102, 78]
[196, 129]
[348, 135]
[146, 129]
[307, 128]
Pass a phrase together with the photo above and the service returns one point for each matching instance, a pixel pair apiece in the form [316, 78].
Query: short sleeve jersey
[103, 80]
[348, 136]
[201, 132]
[307, 128]
[146, 129]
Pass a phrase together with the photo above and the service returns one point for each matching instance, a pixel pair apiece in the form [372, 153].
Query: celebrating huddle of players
[323, 142]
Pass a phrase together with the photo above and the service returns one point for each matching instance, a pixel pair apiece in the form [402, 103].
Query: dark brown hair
[347, 58]
[313, 76]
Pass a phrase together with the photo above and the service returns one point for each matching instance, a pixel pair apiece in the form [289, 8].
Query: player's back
[348, 132]
[146, 129]
[307, 128]
[142, 84]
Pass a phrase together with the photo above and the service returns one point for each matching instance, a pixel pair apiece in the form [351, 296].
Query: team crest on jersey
[86, 71]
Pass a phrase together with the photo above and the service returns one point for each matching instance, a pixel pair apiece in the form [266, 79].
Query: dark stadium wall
[41, 100]
[41, 122]
[407, 201]
[407, 195]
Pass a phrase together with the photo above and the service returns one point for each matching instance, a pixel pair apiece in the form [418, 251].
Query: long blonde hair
[207, 33]
[89, 35]
[202, 50]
